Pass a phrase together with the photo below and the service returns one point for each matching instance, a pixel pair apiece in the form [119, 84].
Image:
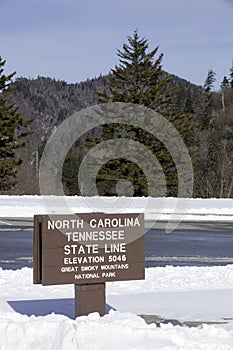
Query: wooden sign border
[40, 273]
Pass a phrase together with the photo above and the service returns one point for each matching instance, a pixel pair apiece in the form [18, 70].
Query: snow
[114, 331]
[39, 317]
[34, 317]
[154, 208]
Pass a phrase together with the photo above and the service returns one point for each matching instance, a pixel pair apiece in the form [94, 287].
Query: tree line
[203, 118]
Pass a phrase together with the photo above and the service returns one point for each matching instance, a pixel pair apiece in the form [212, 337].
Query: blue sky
[73, 40]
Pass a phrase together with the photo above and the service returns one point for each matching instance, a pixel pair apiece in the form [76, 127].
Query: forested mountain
[49, 102]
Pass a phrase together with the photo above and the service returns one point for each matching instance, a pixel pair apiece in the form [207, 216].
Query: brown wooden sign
[88, 248]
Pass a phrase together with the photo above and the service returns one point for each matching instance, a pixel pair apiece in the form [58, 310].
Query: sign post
[88, 250]
[90, 298]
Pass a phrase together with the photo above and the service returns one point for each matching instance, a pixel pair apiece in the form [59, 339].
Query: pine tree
[207, 113]
[231, 75]
[210, 79]
[13, 130]
[225, 84]
[139, 77]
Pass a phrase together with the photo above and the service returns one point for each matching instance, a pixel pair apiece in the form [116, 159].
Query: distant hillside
[49, 101]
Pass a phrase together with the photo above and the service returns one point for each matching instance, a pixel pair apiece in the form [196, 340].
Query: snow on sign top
[88, 248]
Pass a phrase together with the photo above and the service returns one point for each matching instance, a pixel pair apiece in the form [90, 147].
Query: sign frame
[49, 245]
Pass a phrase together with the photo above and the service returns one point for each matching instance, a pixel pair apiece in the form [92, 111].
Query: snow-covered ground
[39, 317]
[154, 208]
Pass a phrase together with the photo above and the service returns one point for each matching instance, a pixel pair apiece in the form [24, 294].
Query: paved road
[192, 244]
[16, 222]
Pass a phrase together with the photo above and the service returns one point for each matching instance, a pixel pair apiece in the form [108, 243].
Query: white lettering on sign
[108, 274]
[83, 260]
[115, 267]
[114, 222]
[115, 258]
[69, 268]
[65, 224]
[113, 235]
[115, 248]
[81, 249]
[89, 268]
[86, 276]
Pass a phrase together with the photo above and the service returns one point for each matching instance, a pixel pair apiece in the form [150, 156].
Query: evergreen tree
[231, 75]
[225, 84]
[12, 132]
[139, 77]
[209, 82]
[207, 113]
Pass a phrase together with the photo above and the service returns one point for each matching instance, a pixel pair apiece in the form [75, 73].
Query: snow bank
[154, 208]
[181, 292]
[114, 331]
